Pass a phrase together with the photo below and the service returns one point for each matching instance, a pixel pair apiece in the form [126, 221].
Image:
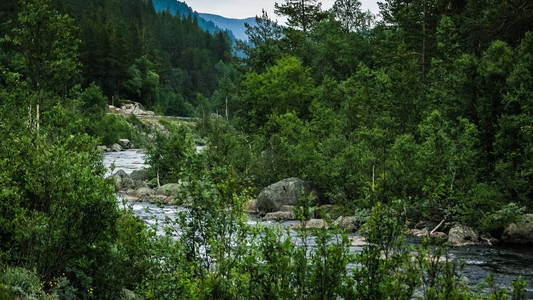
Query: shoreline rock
[312, 224]
[116, 148]
[520, 233]
[280, 216]
[460, 236]
[350, 224]
[285, 192]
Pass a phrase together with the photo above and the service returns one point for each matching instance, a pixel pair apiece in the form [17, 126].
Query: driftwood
[437, 227]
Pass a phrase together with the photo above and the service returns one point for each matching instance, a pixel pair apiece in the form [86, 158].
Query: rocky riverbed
[507, 263]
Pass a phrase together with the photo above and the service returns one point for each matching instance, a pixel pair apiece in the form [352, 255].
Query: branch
[440, 224]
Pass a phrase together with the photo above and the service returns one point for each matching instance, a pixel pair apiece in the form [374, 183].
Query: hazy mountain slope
[234, 25]
[181, 8]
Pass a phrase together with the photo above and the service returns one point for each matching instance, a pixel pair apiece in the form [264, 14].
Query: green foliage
[431, 105]
[143, 82]
[168, 153]
[111, 128]
[21, 282]
[282, 88]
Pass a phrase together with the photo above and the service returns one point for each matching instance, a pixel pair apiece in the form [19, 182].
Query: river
[507, 263]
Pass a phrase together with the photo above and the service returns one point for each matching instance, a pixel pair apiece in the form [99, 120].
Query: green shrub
[21, 282]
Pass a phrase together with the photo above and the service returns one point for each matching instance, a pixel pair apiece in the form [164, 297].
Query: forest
[418, 115]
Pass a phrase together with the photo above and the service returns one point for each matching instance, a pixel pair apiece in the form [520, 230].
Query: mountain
[181, 8]
[209, 22]
[236, 26]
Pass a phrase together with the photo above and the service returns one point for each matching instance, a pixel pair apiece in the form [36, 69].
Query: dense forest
[420, 115]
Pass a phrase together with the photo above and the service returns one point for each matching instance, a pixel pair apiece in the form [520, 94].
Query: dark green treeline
[133, 53]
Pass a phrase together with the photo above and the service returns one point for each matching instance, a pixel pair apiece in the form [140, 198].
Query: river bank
[506, 262]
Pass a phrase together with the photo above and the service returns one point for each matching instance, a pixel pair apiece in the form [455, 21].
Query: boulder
[418, 232]
[116, 148]
[313, 223]
[131, 198]
[122, 180]
[280, 216]
[139, 184]
[169, 189]
[439, 237]
[139, 175]
[520, 233]
[316, 223]
[125, 143]
[144, 192]
[460, 236]
[128, 295]
[160, 199]
[101, 148]
[169, 200]
[251, 207]
[121, 174]
[358, 241]
[285, 192]
[347, 223]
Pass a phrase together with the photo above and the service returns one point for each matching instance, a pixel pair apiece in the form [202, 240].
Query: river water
[507, 263]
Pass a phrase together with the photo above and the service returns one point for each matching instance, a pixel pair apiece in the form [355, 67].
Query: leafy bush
[21, 282]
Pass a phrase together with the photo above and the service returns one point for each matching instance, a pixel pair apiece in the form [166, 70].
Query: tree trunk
[37, 115]
[227, 117]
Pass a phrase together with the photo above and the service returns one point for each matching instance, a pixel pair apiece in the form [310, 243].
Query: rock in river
[139, 174]
[280, 216]
[460, 236]
[116, 148]
[285, 192]
[169, 189]
[349, 224]
[313, 223]
[125, 143]
[122, 180]
[521, 232]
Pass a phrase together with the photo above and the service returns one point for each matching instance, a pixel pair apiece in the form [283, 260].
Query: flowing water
[507, 263]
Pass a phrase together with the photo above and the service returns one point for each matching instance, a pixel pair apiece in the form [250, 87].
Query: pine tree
[301, 14]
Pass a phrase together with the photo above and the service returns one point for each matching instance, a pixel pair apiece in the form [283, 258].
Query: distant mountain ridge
[209, 22]
[234, 25]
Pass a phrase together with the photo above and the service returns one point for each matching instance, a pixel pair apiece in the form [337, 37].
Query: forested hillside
[418, 119]
[159, 60]
[182, 9]
[429, 104]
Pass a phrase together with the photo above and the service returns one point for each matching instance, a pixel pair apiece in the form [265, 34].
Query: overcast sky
[241, 9]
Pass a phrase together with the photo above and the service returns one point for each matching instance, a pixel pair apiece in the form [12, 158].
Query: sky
[241, 9]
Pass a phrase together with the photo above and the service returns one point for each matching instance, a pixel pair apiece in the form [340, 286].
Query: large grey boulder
[143, 192]
[311, 224]
[280, 216]
[460, 236]
[170, 189]
[285, 192]
[122, 180]
[521, 232]
[125, 143]
[251, 207]
[139, 174]
[116, 148]
[350, 224]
